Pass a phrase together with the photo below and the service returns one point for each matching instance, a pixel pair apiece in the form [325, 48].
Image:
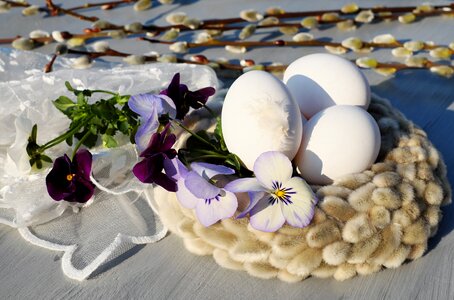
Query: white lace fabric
[121, 214]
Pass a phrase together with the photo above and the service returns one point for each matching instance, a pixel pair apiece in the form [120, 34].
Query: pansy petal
[254, 199]
[200, 187]
[271, 167]
[166, 106]
[146, 130]
[185, 197]
[144, 104]
[210, 211]
[83, 160]
[267, 217]
[300, 211]
[244, 185]
[198, 98]
[175, 168]
[208, 171]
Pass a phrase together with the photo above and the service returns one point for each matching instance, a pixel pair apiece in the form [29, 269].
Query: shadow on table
[425, 99]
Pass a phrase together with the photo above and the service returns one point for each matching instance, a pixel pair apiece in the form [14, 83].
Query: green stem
[193, 133]
[61, 138]
[105, 92]
[209, 110]
[79, 143]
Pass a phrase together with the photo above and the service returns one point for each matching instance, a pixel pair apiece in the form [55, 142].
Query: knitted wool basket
[363, 222]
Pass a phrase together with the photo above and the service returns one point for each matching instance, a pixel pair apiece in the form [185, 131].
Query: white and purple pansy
[149, 107]
[197, 190]
[275, 196]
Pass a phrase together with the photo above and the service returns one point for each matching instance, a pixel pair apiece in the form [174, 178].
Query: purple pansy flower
[184, 98]
[149, 107]
[70, 180]
[197, 191]
[159, 150]
[275, 196]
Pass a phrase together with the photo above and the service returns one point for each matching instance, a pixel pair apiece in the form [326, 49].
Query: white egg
[260, 115]
[337, 141]
[318, 81]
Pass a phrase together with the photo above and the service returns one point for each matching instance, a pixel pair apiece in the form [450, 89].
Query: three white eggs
[260, 114]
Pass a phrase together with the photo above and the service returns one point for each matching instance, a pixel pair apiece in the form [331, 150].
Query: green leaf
[63, 104]
[69, 87]
[46, 158]
[108, 141]
[69, 140]
[234, 161]
[219, 136]
[122, 99]
[34, 134]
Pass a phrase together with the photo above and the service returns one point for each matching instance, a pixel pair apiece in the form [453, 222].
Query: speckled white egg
[318, 81]
[260, 115]
[337, 141]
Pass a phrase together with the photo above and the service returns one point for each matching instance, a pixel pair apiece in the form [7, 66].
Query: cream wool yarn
[363, 222]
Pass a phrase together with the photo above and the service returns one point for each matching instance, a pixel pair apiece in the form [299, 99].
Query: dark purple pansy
[70, 180]
[159, 149]
[184, 98]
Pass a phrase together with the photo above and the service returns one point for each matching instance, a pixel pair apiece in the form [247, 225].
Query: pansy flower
[70, 180]
[275, 196]
[184, 98]
[196, 190]
[149, 107]
[159, 149]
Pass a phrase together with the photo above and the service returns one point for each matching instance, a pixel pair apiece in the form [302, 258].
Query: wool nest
[363, 222]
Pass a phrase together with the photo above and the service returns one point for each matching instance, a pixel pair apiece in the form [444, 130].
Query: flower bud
[303, 37]
[4, 7]
[176, 18]
[350, 8]
[384, 39]
[134, 27]
[414, 45]
[134, 59]
[203, 37]
[401, 52]
[214, 32]
[167, 58]
[352, 43]
[102, 24]
[407, 18]
[441, 52]
[309, 22]
[366, 62]
[289, 30]
[247, 31]
[445, 71]
[250, 15]
[424, 8]
[142, 5]
[269, 21]
[236, 49]
[275, 11]
[247, 63]
[385, 71]
[61, 36]
[36, 34]
[171, 34]
[414, 61]
[30, 10]
[23, 44]
[76, 42]
[101, 46]
[117, 34]
[346, 25]
[192, 23]
[330, 17]
[179, 47]
[364, 16]
[336, 49]
[200, 59]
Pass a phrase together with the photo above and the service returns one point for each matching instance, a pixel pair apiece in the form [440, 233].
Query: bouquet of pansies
[203, 173]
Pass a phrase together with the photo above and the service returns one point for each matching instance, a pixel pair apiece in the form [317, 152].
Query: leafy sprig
[89, 121]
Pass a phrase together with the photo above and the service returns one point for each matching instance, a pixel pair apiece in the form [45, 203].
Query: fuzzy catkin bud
[445, 71]
[176, 18]
[142, 5]
[336, 49]
[414, 45]
[346, 25]
[247, 31]
[366, 62]
[401, 52]
[36, 34]
[179, 47]
[4, 7]
[235, 49]
[101, 46]
[30, 10]
[135, 59]
[23, 44]
[171, 34]
[350, 8]
[384, 39]
[250, 15]
[309, 22]
[364, 16]
[134, 27]
[302, 37]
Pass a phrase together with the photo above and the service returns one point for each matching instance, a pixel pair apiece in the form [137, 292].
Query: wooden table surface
[165, 270]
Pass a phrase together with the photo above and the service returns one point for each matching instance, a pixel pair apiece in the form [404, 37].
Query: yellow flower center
[279, 193]
[70, 177]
